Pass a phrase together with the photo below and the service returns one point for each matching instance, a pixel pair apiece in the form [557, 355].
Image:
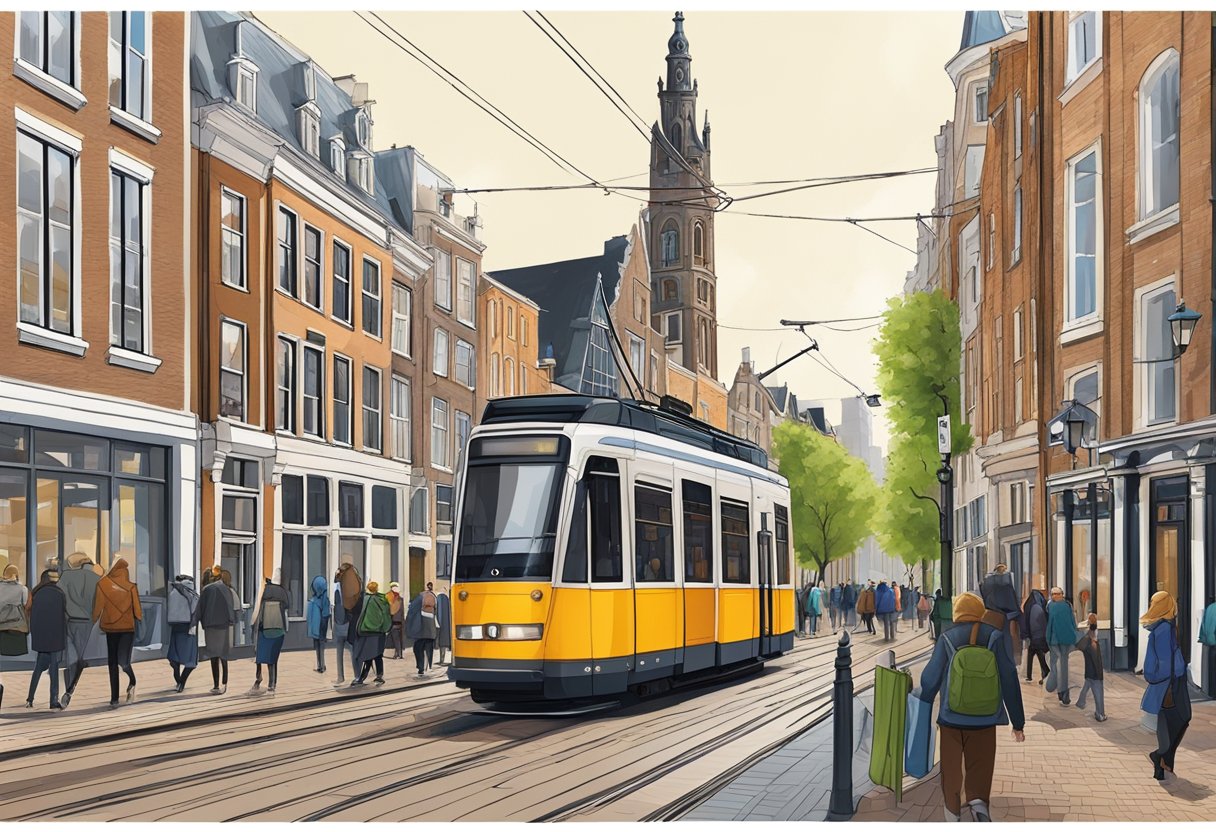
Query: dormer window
[310, 130]
[243, 72]
[363, 128]
[337, 155]
[359, 171]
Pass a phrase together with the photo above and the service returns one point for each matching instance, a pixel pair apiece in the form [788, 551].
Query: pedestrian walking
[923, 607]
[396, 608]
[1001, 597]
[430, 626]
[899, 605]
[816, 607]
[182, 612]
[800, 622]
[1061, 636]
[317, 616]
[866, 608]
[1168, 696]
[270, 623]
[834, 600]
[348, 609]
[849, 604]
[978, 682]
[79, 585]
[939, 616]
[417, 632]
[341, 630]
[116, 607]
[443, 625]
[14, 620]
[1092, 651]
[47, 608]
[1034, 617]
[217, 616]
[375, 620]
[884, 608]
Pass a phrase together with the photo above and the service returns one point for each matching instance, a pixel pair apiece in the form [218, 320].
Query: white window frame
[309, 124]
[280, 257]
[301, 277]
[377, 296]
[447, 342]
[337, 156]
[319, 399]
[378, 410]
[244, 373]
[293, 378]
[402, 319]
[121, 113]
[495, 376]
[1143, 383]
[470, 319]
[979, 100]
[1074, 68]
[349, 441]
[335, 313]
[1017, 125]
[242, 236]
[991, 240]
[246, 71]
[471, 380]
[639, 345]
[523, 330]
[1144, 180]
[1015, 256]
[1070, 389]
[441, 434]
[508, 375]
[1090, 323]
[523, 379]
[667, 339]
[511, 323]
[461, 416]
[400, 422]
[142, 173]
[33, 74]
[443, 278]
[1018, 348]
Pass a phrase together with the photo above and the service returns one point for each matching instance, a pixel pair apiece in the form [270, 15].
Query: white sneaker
[950, 816]
[979, 811]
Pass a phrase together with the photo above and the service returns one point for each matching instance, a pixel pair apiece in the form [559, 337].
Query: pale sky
[790, 95]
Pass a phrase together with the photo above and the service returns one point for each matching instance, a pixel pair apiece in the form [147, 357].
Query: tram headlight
[520, 632]
[499, 632]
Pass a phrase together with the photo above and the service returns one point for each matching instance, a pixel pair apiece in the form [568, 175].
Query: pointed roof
[677, 44]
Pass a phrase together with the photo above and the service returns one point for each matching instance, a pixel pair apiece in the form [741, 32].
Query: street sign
[943, 434]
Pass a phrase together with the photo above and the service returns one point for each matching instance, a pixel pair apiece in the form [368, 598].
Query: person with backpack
[1092, 651]
[866, 607]
[978, 683]
[270, 623]
[396, 607]
[375, 620]
[923, 608]
[14, 620]
[414, 632]
[430, 626]
[884, 608]
[79, 584]
[317, 617]
[350, 589]
[47, 608]
[217, 615]
[1168, 696]
[183, 632]
[1001, 597]
[116, 607]
[848, 605]
[1061, 636]
[1034, 628]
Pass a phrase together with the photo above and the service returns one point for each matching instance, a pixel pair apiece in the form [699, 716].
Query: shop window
[384, 507]
[292, 491]
[350, 505]
[318, 501]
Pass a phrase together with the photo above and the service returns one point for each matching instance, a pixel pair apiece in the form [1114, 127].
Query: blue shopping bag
[921, 740]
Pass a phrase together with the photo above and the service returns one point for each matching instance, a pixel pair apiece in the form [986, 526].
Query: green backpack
[376, 618]
[974, 686]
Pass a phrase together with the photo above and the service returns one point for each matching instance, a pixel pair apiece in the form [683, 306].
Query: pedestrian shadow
[1184, 789]
[1057, 717]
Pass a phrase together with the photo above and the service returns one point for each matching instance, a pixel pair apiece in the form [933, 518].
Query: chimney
[747, 356]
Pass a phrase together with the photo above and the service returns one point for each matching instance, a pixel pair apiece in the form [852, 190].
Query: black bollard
[841, 805]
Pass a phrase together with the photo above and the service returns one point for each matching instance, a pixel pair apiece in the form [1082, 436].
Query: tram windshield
[508, 526]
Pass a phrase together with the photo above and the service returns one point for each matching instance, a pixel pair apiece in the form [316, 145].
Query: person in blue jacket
[1061, 638]
[1168, 695]
[968, 743]
[835, 597]
[884, 607]
[848, 604]
[814, 606]
[318, 615]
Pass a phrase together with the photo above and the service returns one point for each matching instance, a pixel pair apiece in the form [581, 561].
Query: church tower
[682, 201]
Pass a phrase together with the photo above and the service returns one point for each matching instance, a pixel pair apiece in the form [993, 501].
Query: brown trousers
[968, 759]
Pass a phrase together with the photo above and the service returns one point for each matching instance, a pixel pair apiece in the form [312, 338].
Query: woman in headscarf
[317, 617]
[217, 614]
[270, 624]
[372, 626]
[349, 597]
[48, 614]
[116, 607]
[1168, 696]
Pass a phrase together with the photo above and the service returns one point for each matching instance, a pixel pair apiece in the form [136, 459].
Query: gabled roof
[984, 27]
[780, 396]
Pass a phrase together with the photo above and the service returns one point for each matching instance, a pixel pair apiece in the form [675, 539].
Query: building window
[465, 366]
[384, 507]
[1084, 237]
[670, 244]
[310, 131]
[350, 505]
[981, 103]
[443, 279]
[671, 328]
[313, 278]
[493, 307]
[399, 418]
[523, 330]
[403, 303]
[342, 401]
[46, 214]
[363, 128]
[991, 239]
[523, 379]
[371, 297]
[287, 252]
[247, 86]
[128, 202]
[440, 362]
[372, 425]
[671, 291]
[291, 494]
[232, 238]
[439, 433]
[973, 167]
[1017, 334]
[599, 375]
[420, 511]
[1084, 387]
[1084, 42]
[1159, 380]
[317, 501]
[495, 376]
[1017, 126]
[232, 370]
[342, 258]
[466, 291]
[511, 322]
[48, 43]
[337, 155]
[286, 382]
[130, 78]
[1016, 254]
[508, 375]
[698, 244]
[443, 508]
[1159, 145]
[637, 356]
[703, 290]
[314, 391]
[703, 344]
[639, 303]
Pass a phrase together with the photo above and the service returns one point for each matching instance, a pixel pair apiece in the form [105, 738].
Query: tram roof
[624, 413]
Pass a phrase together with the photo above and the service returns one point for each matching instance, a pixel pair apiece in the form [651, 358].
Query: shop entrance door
[1169, 558]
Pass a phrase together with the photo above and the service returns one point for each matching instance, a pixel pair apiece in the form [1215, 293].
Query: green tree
[918, 350]
[832, 495]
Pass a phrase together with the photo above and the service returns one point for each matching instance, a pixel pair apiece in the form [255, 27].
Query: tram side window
[654, 549]
[782, 535]
[736, 556]
[698, 532]
[574, 571]
[604, 495]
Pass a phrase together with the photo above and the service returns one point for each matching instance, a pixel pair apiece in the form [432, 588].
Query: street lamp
[1182, 327]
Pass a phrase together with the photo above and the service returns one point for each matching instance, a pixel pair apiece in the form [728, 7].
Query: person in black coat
[48, 613]
[1034, 629]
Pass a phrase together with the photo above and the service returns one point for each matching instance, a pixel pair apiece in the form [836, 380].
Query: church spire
[679, 60]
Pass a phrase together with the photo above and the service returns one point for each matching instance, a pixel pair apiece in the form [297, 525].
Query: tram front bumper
[508, 675]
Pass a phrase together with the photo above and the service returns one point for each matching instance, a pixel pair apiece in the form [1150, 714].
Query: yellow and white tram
[605, 545]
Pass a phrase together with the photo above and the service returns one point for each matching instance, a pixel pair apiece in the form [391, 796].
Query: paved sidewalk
[1076, 769]
[157, 701]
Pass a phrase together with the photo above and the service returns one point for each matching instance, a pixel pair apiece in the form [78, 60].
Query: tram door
[738, 610]
[767, 579]
[658, 602]
[612, 621]
[700, 599]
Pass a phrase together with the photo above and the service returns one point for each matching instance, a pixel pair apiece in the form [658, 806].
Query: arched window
[698, 243]
[670, 244]
[702, 290]
[703, 342]
[677, 138]
[671, 291]
[495, 379]
[493, 319]
[508, 374]
[1159, 116]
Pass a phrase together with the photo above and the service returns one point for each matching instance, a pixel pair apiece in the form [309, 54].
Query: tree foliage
[919, 361]
[832, 495]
